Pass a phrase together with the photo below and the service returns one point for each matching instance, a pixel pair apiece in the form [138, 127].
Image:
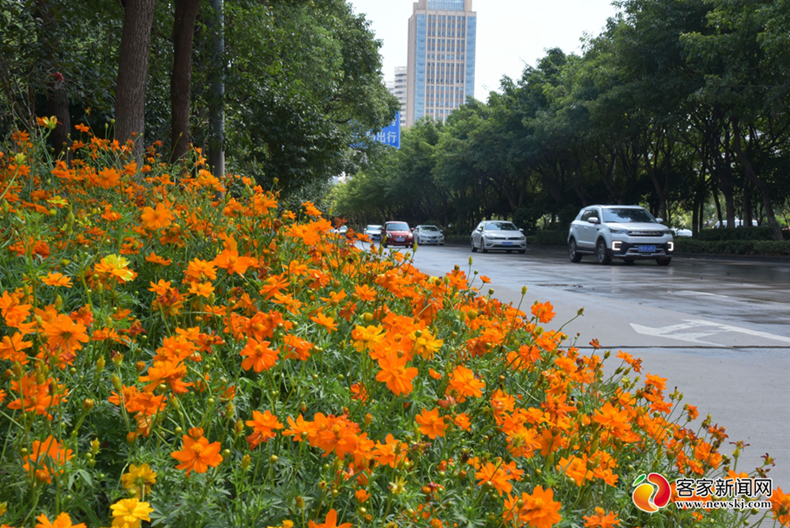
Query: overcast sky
[510, 33]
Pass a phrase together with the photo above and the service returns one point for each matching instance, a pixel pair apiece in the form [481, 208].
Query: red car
[397, 234]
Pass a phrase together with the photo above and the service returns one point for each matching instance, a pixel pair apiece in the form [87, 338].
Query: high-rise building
[398, 86]
[441, 63]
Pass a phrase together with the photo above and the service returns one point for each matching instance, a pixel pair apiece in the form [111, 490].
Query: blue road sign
[390, 135]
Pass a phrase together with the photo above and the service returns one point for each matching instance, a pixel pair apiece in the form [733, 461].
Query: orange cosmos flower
[498, 475]
[543, 311]
[56, 279]
[296, 428]
[200, 269]
[47, 458]
[38, 397]
[330, 522]
[12, 348]
[197, 454]
[156, 259]
[656, 381]
[391, 452]
[65, 333]
[311, 209]
[780, 506]
[298, 348]
[431, 424]
[258, 355]
[463, 383]
[62, 521]
[201, 289]
[263, 425]
[365, 292]
[462, 422]
[157, 218]
[107, 178]
[395, 374]
[230, 261]
[322, 320]
[169, 371]
[540, 510]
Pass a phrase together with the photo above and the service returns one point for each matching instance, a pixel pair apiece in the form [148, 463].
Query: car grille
[646, 233]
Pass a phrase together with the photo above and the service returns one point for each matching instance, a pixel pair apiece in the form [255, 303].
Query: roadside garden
[180, 350]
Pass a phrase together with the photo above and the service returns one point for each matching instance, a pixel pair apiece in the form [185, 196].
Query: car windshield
[627, 216]
[398, 226]
[430, 228]
[373, 228]
[500, 226]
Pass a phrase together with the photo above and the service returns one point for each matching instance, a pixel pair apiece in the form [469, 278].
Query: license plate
[507, 243]
[647, 249]
[399, 239]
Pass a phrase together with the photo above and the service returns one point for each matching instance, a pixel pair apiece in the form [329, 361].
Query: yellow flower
[139, 479]
[399, 486]
[129, 512]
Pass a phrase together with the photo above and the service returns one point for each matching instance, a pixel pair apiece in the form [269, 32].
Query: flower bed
[179, 350]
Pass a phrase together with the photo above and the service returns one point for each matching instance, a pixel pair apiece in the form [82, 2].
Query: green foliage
[734, 247]
[740, 233]
[549, 237]
[674, 102]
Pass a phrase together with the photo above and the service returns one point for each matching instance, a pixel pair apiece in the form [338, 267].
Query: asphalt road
[716, 329]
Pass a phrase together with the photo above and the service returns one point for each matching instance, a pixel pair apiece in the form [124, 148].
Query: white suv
[627, 232]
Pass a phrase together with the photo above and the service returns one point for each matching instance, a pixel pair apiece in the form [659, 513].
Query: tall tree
[133, 72]
[181, 77]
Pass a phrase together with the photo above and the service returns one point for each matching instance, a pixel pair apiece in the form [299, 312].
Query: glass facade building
[441, 62]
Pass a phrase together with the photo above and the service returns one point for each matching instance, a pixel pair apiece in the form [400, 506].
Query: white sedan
[374, 231]
[428, 234]
[498, 234]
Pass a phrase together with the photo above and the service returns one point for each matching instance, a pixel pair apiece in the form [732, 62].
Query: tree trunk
[765, 192]
[181, 78]
[58, 106]
[216, 136]
[138, 19]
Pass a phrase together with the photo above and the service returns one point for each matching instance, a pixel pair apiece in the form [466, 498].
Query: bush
[178, 349]
[549, 237]
[739, 233]
[734, 247]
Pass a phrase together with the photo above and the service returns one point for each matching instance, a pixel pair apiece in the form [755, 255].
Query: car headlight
[617, 231]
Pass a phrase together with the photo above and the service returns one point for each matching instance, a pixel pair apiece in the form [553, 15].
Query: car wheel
[602, 253]
[573, 252]
[629, 261]
[664, 261]
[483, 245]
[474, 249]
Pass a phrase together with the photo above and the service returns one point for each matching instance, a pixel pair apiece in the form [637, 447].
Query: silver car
[627, 232]
[428, 234]
[498, 234]
[374, 231]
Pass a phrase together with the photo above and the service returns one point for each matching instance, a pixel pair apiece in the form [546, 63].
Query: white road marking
[692, 292]
[673, 332]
